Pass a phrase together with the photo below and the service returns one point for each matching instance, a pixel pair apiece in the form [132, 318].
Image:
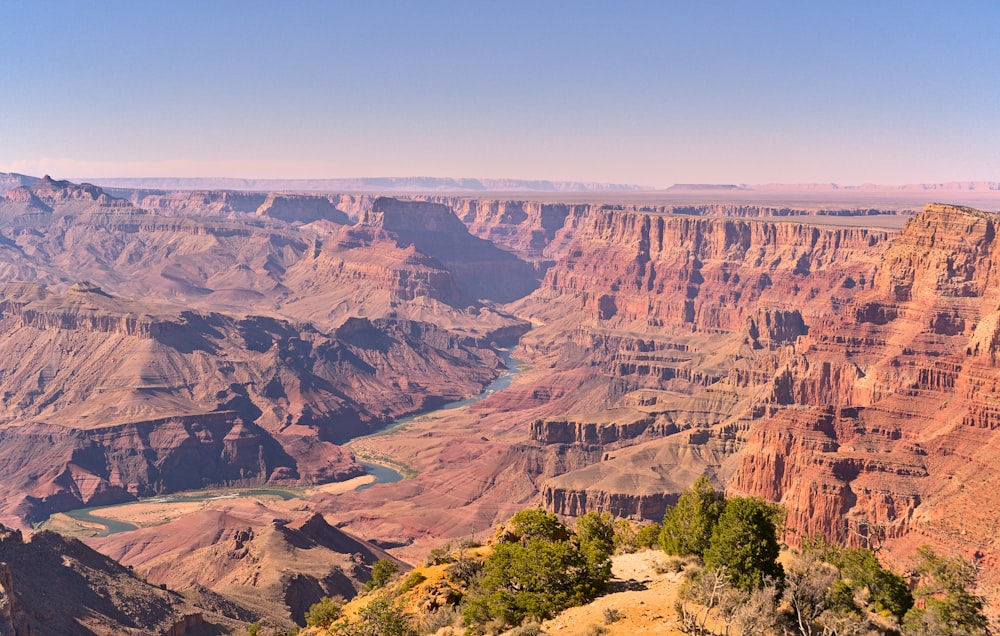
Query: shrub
[412, 580]
[383, 571]
[439, 556]
[949, 607]
[745, 542]
[538, 567]
[324, 612]
[531, 628]
[611, 615]
[687, 527]
[648, 536]
[383, 616]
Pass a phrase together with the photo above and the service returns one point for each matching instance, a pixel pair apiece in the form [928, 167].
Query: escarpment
[895, 399]
[845, 372]
[647, 271]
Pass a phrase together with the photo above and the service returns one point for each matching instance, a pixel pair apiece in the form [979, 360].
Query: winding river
[383, 474]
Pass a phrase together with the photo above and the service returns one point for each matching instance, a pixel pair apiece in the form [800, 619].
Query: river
[383, 474]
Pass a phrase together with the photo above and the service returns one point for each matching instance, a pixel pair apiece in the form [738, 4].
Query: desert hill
[52, 585]
[266, 565]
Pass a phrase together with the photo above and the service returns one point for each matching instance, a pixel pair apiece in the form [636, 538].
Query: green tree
[950, 609]
[745, 542]
[324, 612]
[538, 567]
[687, 527]
[648, 535]
[596, 537]
[535, 523]
[383, 571]
[888, 591]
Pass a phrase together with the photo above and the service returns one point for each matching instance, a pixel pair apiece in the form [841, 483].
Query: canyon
[839, 360]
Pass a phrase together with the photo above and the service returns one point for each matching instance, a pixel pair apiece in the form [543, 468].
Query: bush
[439, 556]
[596, 538]
[538, 567]
[383, 616]
[412, 580]
[648, 536]
[687, 527]
[745, 542]
[383, 571]
[531, 628]
[324, 612]
[465, 571]
[949, 607]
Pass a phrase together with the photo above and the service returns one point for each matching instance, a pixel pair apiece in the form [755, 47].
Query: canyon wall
[163, 351]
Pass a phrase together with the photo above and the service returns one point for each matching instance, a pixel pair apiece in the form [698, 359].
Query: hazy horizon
[651, 94]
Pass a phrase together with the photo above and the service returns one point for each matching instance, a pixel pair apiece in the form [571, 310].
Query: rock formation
[51, 585]
[264, 565]
[164, 352]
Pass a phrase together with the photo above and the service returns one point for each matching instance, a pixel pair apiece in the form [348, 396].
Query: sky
[650, 93]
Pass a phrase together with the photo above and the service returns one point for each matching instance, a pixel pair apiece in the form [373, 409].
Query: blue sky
[653, 93]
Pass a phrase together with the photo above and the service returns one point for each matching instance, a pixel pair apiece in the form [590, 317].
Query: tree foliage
[745, 542]
[687, 527]
[324, 612]
[383, 571]
[382, 616]
[538, 567]
[949, 607]
[595, 535]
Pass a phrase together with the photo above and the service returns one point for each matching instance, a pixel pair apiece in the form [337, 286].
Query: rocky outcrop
[54, 585]
[598, 433]
[13, 618]
[481, 270]
[267, 566]
[300, 208]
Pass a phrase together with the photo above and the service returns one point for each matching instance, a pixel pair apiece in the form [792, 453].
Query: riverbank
[368, 452]
[380, 467]
[101, 521]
